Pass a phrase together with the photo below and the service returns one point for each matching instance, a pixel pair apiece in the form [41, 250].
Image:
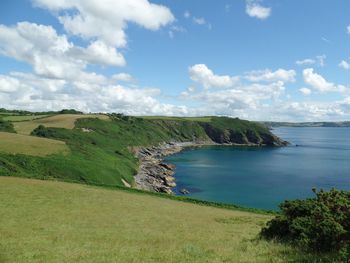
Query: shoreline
[155, 175]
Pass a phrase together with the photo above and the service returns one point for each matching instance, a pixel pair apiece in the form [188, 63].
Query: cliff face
[235, 131]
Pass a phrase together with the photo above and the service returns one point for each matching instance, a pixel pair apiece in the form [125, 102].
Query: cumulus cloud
[318, 60]
[200, 73]
[255, 9]
[305, 91]
[232, 97]
[52, 55]
[32, 92]
[348, 29]
[125, 77]
[344, 65]
[320, 84]
[271, 76]
[106, 20]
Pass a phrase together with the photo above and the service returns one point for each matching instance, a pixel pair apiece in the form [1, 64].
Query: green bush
[320, 224]
[6, 126]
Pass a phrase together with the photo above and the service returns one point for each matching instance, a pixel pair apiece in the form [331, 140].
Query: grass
[15, 118]
[45, 221]
[13, 143]
[196, 119]
[58, 121]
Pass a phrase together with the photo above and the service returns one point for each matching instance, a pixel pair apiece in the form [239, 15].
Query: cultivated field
[46, 221]
[23, 144]
[15, 118]
[57, 121]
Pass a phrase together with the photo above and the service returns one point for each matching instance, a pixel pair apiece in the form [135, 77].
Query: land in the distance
[307, 124]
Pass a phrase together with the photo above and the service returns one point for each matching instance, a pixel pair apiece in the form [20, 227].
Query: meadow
[46, 221]
[14, 118]
[13, 143]
[67, 121]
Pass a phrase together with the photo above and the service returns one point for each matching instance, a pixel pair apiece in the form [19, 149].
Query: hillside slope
[100, 150]
[43, 221]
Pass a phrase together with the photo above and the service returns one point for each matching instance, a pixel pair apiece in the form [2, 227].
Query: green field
[197, 119]
[57, 121]
[13, 143]
[15, 118]
[44, 221]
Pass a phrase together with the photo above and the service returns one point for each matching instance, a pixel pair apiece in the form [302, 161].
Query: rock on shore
[155, 175]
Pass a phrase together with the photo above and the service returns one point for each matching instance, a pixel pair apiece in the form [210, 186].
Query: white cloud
[176, 29]
[307, 61]
[254, 9]
[187, 14]
[348, 29]
[200, 73]
[344, 64]
[268, 75]
[202, 22]
[305, 91]
[106, 20]
[32, 92]
[100, 53]
[52, 55]
[199, 20]
[320, 84]
[318, 60]
[41, 47]
[123, 77]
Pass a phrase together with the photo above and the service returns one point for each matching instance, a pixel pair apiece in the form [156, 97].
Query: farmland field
[23, 144]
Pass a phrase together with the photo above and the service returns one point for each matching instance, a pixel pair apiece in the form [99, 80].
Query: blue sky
[260, 60]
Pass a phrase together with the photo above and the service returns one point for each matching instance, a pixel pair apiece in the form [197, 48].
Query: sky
[271, 60]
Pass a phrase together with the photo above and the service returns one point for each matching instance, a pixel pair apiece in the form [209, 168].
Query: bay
[262, 177]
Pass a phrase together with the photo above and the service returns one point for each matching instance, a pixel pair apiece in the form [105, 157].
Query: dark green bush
[6, 126]
[320, 224]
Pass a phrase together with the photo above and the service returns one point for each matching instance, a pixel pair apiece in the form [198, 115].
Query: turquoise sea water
[264, 177]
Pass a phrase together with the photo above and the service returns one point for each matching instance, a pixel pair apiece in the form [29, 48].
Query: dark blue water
[264, 177]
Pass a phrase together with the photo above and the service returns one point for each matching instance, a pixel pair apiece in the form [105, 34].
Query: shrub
[320, 224]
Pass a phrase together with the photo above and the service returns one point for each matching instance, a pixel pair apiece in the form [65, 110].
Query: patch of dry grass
[23, 144]
[57, 121]
[45, 221]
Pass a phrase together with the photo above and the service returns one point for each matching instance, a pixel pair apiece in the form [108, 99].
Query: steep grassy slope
[100, 149]
[43, 221]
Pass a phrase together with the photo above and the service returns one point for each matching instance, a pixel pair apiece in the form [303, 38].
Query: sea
[263, 177]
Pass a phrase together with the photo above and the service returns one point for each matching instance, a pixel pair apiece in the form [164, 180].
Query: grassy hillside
[99, 149]
[42, 221]
[22, 144]
[57, 121]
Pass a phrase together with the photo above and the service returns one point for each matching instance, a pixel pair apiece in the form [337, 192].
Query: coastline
[155, 175]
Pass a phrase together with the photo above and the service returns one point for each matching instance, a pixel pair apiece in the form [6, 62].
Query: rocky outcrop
[154, 174]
